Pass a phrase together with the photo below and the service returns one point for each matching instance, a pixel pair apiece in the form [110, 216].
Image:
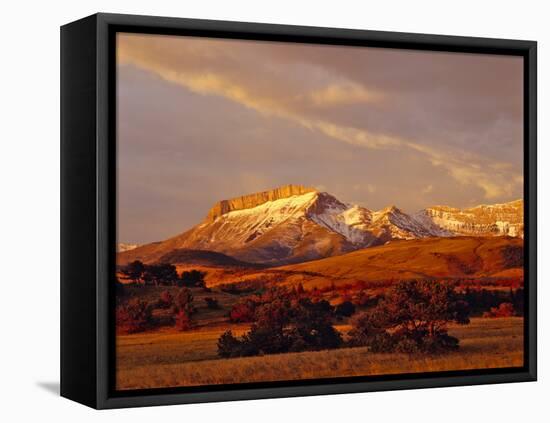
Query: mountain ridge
[294, 223]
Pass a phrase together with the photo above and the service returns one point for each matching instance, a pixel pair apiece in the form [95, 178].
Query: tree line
[163, 274]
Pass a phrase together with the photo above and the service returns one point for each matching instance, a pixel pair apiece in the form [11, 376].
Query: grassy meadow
[166, 358]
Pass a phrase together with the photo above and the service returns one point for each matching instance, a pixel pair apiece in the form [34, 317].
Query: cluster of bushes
[284, 325]
[181, 306]
[161, 275]
[503, 310]
[412, 317]
[351, 295]
[166, 300]
[245, 310]
[363, 299]
[136, 315]
[482, 301]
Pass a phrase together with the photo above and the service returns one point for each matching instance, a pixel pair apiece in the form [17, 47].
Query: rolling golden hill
[437, 258]
[457, 257]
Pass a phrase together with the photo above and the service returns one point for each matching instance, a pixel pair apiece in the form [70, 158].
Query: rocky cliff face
[495, 219]
[253, 200]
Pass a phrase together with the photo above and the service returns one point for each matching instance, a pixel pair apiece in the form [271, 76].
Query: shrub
[134, 316]
[369, 329]
[193, 278]
[311, 325]
[413, 317]
[274, 314]
[212, 303]
[243, 312]
[481, 300]
[184, 302]
[229, 346]
[134, 271]
[345, 309]
[362, 299]
[503, 310]
[160, 274]
[283, 325]
[183, 321]
[264, 340]
[166, 300]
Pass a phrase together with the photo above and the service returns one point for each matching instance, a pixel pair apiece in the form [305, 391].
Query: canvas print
[292, 212]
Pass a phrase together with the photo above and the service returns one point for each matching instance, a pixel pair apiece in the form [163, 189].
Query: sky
[201, 119]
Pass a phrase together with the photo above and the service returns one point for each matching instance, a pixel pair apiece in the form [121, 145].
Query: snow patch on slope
[350, 223]
[427, 222]
[248, 224]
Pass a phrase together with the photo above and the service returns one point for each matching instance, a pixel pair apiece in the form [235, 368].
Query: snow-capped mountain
[293, 223]
[495, 219]
[364, 227]
[273, 227]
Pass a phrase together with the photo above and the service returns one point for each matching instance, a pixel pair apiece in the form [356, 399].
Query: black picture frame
[88, 190]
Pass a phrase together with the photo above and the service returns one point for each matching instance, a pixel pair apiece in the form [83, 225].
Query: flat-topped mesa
[253, 200]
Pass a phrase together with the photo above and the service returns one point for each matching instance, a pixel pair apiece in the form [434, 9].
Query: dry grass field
[169, 359]
[162, 356]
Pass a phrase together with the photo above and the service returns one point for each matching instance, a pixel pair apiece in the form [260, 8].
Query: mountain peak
[388, 211]
[252, 200]
[391, 209]
[294, 223]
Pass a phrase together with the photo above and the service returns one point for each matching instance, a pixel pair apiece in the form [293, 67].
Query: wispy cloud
[343, 93]
[270, 91]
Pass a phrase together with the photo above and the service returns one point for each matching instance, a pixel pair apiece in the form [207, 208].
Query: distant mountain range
[294, 224]
[496, 219]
